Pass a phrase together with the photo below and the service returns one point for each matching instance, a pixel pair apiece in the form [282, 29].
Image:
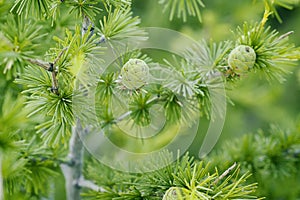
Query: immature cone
[134, 74]
[172, 194]
[241, 58]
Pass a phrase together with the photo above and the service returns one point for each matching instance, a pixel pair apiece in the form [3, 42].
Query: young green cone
[134, 74]
[241, 58]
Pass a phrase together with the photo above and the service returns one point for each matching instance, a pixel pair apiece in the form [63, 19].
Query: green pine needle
[182, 78]
[207, 56]
[273, 4]
[140, 109]
[37, 8]
[191, 179]
[31, 167]
[117, 3]
[55, 109]
[84, 8]
[271, 156]
[121, 25]
[182, 8]
[21, 40]
[12, 111]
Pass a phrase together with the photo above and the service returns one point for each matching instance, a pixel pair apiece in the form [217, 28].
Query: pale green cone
[172, 193]
[242, 58]
[135, 74]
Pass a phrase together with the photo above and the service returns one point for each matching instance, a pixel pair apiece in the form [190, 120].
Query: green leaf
[13, 170]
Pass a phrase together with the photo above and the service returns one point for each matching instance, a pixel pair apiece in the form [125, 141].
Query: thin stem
[85, 26]
[225, 173]
[122, 117]
[51, 68]
[83, 183]
[45, 65]
[101, 40]
[57, 161]
[60, 55]
[54, 88]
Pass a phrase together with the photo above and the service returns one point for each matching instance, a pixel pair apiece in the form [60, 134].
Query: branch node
[101, 40]
[51, 68]
[54, 90]
[84, 183]
[76, 184]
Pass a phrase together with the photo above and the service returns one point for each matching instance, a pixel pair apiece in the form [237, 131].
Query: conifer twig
[85, 26]
[60, 55]
[83, 183]
[45, 65]
[123, 116]
[49, 66]
[54, 88]
[225, 173]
